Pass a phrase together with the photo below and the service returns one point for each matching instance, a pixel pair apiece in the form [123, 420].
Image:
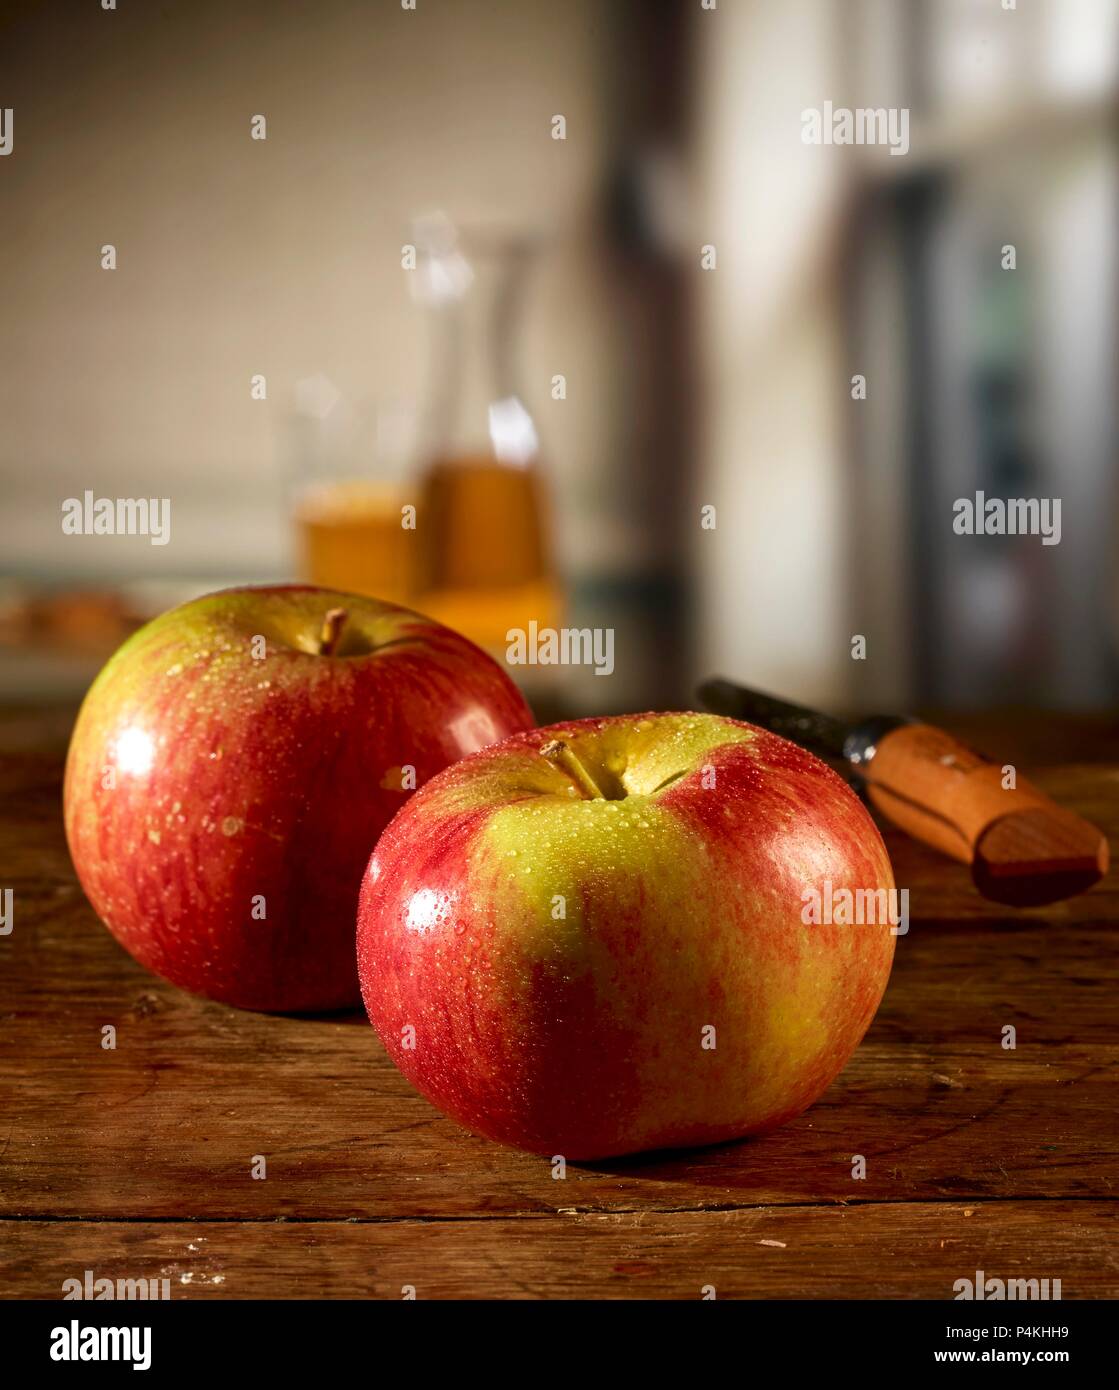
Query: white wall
[772, 573]
[280, 257]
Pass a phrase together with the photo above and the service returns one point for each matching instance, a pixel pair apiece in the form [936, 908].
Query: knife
[1023, 849]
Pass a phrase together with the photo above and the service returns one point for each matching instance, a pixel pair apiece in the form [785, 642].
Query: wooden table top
[136, 1163]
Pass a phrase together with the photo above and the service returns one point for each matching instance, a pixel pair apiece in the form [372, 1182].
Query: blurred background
[566, 279]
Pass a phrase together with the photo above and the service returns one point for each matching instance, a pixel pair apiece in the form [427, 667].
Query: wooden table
[137, 1162]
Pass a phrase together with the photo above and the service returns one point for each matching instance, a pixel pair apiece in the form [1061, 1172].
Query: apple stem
[560, 755]
[331, 634]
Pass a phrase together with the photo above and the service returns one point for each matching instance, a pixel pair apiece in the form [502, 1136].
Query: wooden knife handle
[1023, 848]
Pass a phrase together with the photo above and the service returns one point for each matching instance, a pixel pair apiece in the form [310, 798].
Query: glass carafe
[351, 491]
[485, 554]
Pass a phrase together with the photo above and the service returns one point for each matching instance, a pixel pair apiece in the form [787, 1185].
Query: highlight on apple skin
[590, 940]
[235, 760]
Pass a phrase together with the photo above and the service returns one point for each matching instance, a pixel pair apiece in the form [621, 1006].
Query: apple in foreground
[591, 939]
[233, 764]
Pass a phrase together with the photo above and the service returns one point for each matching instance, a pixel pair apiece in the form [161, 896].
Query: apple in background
[590, 939]
[233, 764]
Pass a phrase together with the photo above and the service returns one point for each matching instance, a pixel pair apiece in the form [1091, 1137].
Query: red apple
[232, 767]
[595, 938]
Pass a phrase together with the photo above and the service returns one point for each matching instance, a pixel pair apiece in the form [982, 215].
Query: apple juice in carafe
[484, 554]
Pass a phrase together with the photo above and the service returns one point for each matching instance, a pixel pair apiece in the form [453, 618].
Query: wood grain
[121, 1160]
[916, 1250]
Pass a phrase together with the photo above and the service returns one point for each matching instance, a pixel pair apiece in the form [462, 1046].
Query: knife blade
[1022, 847]
[820, 733]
